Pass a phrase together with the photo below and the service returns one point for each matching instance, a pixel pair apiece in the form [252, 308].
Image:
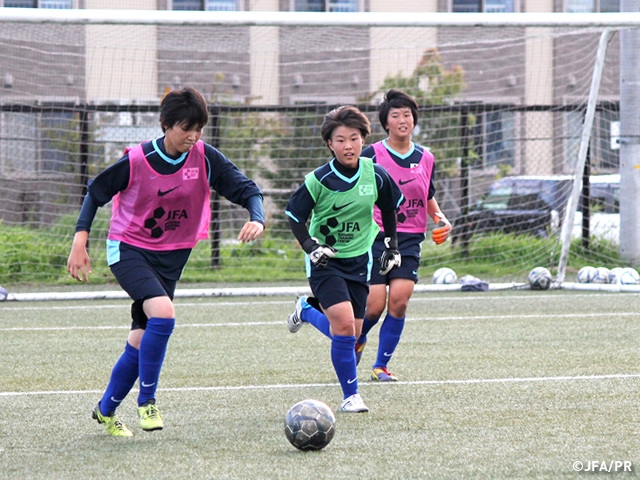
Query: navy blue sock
[317, 319]
[390, 333]
[343, 357]
[153, 346]
[367, 325]
[123, 377]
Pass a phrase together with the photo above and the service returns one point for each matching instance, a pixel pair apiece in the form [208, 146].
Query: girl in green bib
[338, 199]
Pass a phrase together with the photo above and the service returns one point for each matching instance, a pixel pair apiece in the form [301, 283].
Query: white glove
[390, 258]
[440, 234]
[320, 255]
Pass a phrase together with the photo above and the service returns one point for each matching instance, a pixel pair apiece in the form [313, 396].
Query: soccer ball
[601, 275]
[586, 274]
[540, 278]
[614, 275]
[444, 276]
[310, 425]
[629, 276]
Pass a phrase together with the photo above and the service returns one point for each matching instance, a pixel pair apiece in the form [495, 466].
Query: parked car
[535, 205]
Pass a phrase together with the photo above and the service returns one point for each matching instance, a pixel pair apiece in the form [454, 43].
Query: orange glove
[440, 234]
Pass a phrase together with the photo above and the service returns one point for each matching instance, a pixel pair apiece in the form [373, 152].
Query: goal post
[502, 98]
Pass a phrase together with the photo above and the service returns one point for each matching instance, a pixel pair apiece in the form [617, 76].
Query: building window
[325, 5]
[590, 6]
[37, 3]
[488, 6]
[494, 135]
[211, 5]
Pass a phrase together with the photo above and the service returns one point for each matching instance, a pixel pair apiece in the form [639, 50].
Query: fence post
[214, 225]
[84, 152]
[464, 178]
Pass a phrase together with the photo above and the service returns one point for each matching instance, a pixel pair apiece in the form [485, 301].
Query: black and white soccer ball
[310, 425]
[540, 278]
[444, 276]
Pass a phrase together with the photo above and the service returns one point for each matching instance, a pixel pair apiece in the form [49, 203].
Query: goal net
[502, 108]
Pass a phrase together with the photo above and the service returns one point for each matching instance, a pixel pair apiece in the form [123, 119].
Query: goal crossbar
[306, 19]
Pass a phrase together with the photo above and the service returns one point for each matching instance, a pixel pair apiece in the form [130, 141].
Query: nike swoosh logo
[116, 401]
[352, 380]
[162, 194]
[404, 182]
[148, 385]
[388, 354]
[337, 209]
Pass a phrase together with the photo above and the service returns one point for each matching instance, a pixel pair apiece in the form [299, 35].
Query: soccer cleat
[381, 374]
[353, 404]
[113, 426]
[295, 319]
[359, 349]
[150, 418]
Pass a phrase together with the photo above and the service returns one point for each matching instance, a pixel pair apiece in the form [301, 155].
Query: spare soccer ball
[310, 425]
[601, 275]
[586, 274]
[444, 276]
[629, 276]
[614, 275]
[540, 278]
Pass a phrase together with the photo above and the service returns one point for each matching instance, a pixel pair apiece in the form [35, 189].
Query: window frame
[596, 7]
[327, 5]
[240, 6]
[73, 3]
[483, 7]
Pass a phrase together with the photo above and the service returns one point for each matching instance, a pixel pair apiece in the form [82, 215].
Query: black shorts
[408, 269]
[141, 281]
[409, 246]
[331, 290]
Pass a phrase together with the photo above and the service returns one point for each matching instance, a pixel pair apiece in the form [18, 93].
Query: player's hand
[320, 255]
[440, 234]
[390, 258]
[79, 263]
[250, 231]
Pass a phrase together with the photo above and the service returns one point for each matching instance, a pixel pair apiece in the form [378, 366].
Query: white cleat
[295, 319]
[354, 404]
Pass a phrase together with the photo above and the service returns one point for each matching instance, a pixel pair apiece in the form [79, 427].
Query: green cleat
[150, 418]
[113, 426]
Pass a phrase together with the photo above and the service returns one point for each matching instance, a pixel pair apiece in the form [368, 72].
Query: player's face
[400, 122]
[178, 140]
[346, 144]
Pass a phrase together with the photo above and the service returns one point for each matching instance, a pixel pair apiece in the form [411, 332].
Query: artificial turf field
[493, 385]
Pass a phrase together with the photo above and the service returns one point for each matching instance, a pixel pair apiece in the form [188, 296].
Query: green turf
[494, 385]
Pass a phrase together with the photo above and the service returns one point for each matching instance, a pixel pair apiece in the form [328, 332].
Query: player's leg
[400, 291]
[376, 303]
[308, 310]
[344, 303]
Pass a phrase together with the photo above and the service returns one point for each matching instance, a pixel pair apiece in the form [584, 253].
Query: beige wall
[538, 153]
[265, 68]
[398, 50]
[132, 75]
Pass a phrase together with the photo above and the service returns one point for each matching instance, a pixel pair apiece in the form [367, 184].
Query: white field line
[97, 305]
[280, 323]
[472, 381]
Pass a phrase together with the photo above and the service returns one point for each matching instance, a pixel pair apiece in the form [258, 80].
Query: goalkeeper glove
[390, 258]
[320, 254]
[440, 234]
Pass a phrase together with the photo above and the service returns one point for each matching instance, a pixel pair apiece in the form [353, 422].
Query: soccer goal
[517, 109]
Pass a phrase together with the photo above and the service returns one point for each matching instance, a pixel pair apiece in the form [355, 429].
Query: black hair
[396, 99]
[345, 116]
[184, 107]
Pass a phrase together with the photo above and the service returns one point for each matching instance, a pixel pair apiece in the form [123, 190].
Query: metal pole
[630, 139]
